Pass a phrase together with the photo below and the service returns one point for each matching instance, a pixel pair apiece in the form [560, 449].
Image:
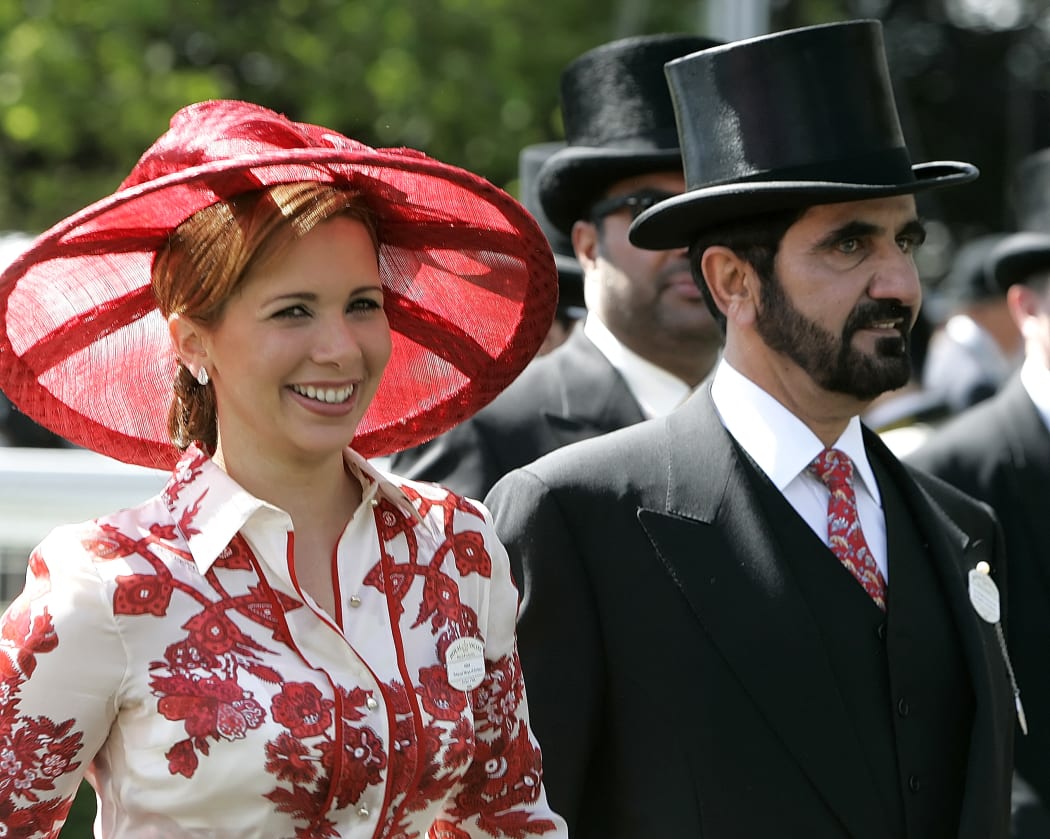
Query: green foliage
[86, 87]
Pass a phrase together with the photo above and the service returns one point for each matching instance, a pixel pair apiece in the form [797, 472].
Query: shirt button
[902, 707]
[362, 811]
[374, 502]
[355, 601]
[371, 703]
[913, 783]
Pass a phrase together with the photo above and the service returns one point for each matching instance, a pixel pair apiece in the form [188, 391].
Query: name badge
[465, 663]
[984, 593]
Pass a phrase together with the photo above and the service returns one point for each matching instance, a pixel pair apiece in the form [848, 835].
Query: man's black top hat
[570, 273]
[1020, 258]
[1031, 192]
[619, 122]
[783, 121]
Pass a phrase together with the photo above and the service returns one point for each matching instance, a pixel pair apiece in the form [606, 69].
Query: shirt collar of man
[1036, 381]
[219, 507]
[779, 442]
[657, 391]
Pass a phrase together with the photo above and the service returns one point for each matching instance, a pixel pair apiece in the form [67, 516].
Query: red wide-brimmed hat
[469, 278]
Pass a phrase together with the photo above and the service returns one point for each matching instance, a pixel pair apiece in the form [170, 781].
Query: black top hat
[570, 273]
[1031, 192]
[783, 121]
[619, 121]
[1020, 258]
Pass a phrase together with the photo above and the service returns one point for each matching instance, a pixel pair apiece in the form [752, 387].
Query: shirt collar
[779, 442]
[1036, 381]
[209, 507]
[657, 391]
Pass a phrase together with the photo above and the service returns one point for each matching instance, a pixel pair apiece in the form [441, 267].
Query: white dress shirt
[783, 447]
[657, 391]
[1036, 381]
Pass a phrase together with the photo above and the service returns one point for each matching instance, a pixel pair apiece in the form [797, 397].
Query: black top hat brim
[572, 179]
[1020, 258]
[675, 222]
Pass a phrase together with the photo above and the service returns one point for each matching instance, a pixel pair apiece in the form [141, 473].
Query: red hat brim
[469, 278]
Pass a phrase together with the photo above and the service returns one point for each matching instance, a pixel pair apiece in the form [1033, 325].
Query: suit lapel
[593, 397]
[753, 611]
[1029, 448]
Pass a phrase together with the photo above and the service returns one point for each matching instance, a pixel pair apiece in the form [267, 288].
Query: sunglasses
[634, 202]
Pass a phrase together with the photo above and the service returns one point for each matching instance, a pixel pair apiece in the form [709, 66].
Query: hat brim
[1018, 258]
[674, 222]
[572, 179]
[469, 282]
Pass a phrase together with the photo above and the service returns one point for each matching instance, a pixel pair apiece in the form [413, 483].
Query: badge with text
[984, 593]
[465, 663]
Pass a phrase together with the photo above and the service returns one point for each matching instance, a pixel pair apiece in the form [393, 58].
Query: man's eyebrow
[914, 228]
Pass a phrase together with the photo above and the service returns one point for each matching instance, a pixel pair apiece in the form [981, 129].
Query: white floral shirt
[168, 652]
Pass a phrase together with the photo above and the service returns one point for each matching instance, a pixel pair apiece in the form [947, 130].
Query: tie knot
[834, 468]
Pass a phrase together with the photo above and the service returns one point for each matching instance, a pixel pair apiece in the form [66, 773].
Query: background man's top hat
[570, 273]
[783, 121]
[1020, 258]
[619, 122]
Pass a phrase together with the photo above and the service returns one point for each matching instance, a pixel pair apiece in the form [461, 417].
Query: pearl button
[362, 811]
[374, 502]
[371, 703]
[355, 601]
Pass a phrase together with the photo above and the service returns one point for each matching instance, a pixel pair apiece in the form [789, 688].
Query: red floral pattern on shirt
[34, 750]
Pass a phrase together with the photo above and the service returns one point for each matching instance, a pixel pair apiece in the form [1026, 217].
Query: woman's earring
[202, 376]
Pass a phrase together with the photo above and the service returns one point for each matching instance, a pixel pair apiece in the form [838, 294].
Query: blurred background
[85, 87]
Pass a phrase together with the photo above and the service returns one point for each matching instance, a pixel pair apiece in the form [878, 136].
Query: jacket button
[902, 707]
[880, 630]
[913, 783]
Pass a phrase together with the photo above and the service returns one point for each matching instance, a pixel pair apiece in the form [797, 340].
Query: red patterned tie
[835, 470]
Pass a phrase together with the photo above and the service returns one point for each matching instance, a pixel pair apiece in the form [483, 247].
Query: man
[999, 452]
[648, 338]
[699, 659]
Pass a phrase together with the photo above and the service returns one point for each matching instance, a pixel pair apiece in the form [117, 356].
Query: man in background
[999, 452]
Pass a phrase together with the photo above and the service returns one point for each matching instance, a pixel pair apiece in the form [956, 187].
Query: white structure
[42, 488]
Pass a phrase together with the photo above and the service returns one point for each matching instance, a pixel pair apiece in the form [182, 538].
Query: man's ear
[732, 282]
[585, 243]
[188, 341]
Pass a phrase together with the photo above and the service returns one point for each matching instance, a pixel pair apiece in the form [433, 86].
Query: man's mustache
[867, 314]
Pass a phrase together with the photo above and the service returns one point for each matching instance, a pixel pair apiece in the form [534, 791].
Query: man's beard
[832, 362]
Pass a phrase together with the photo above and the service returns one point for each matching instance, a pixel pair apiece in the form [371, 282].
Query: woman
[285, 642]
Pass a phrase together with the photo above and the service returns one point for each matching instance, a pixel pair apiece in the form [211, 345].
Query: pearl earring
[202, 376]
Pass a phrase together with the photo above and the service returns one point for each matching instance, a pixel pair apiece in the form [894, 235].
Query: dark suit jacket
[999, 452]
[676, 678]
[568, 395]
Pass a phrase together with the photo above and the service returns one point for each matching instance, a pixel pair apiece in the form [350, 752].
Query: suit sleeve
[460, 459]
[559, 638]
